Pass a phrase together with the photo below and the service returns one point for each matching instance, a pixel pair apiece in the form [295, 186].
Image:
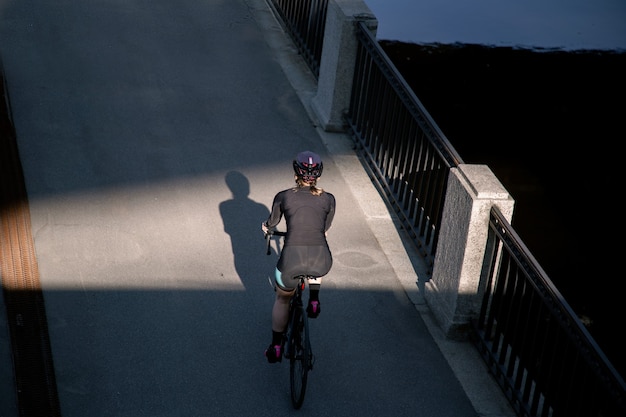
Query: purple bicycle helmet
[308, 165]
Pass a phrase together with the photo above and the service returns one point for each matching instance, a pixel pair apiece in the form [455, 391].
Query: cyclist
[309, 212]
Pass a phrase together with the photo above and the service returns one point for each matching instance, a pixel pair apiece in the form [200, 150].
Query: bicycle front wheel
[301, 360]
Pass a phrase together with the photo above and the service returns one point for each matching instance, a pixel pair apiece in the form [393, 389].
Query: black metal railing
[541, 354]
[545, 361]
[405, 152]
[305, 22]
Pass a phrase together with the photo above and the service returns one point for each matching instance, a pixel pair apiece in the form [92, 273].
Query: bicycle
[296, 340]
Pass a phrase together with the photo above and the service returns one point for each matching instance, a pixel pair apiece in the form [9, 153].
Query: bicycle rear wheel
[301, 360]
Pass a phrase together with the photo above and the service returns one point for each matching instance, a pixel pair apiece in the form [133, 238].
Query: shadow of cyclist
[242, 218]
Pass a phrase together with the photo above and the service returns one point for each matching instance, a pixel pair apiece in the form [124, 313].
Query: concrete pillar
[453, 293]
[334, 86]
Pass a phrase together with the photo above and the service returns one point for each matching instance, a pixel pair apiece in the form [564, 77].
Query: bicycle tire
[300, 361]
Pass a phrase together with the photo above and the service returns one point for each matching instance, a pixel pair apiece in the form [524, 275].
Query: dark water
[550, 125]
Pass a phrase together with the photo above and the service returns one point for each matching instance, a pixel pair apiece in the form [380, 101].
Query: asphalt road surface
[153, 136]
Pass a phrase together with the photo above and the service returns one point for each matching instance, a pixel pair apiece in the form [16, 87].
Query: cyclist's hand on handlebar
[267, 230]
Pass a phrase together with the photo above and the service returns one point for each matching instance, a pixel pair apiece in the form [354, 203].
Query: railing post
[334, 85]
[453, 292]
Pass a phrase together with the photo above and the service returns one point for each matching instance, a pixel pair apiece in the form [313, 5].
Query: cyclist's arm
[276, 214]
[330, 215]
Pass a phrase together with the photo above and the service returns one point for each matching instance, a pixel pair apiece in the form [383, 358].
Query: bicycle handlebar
[268, 238]
[276, 233]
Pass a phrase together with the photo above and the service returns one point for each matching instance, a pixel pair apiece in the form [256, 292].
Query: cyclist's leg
[315, 281]
[280, 316]
[320, 262]
[285, 286]
[313, 307]
[280, 310]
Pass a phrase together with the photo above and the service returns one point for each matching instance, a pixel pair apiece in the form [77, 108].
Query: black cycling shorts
[302, 260]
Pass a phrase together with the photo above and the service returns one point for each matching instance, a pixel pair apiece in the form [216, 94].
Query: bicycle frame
[298, 346]
[296, 308]
[297, 343]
